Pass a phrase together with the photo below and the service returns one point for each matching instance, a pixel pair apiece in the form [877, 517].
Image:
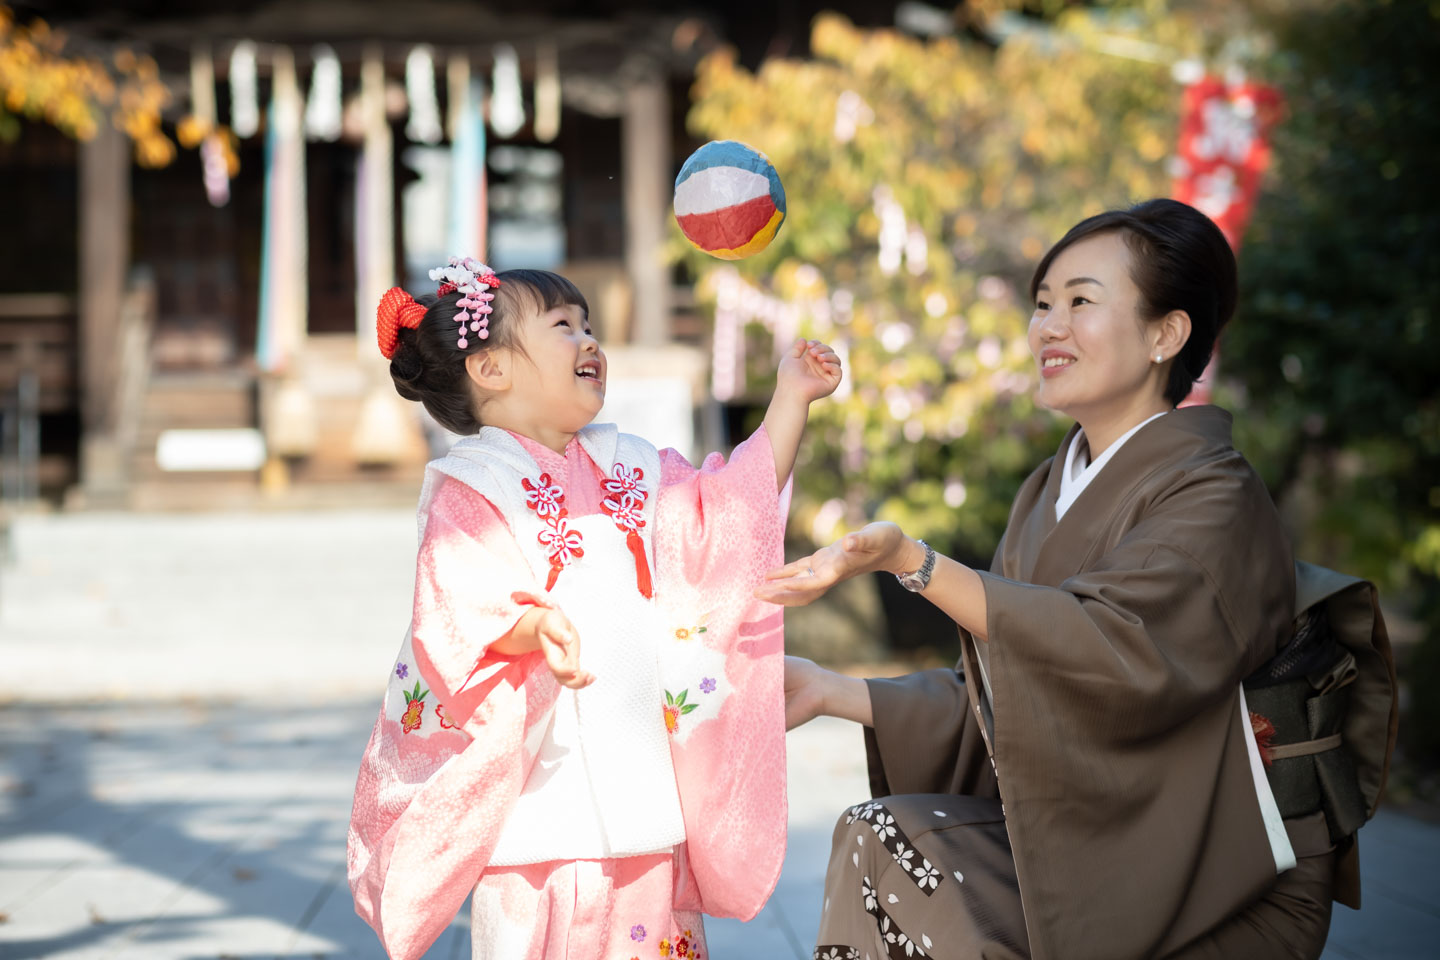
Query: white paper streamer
[424, 125]
[507, 108]
[323, 109]
[547, 94]
[202, 87]
[457, 84]
[244, 107]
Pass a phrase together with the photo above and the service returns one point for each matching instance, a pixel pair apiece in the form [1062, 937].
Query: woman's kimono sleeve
[433, 794]
[1119, 741]
[718, 529]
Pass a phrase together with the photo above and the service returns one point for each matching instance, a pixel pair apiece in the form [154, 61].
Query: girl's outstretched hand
[875, 546]
[560, 645]
[809, 370]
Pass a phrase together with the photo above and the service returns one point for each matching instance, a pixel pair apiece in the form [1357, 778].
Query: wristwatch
[920, 579]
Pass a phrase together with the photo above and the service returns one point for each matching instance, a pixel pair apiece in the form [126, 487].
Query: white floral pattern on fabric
[926, 875]
[884, 826]
[628, 513]
[627, 480]
[862, 811]
[562, 545]
[544, 497]
[902, 855]
[868, 893]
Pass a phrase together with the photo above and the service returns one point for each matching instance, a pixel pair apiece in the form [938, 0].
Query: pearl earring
[1159, 358]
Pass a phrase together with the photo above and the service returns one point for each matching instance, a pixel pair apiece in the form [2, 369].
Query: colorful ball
[728, 200]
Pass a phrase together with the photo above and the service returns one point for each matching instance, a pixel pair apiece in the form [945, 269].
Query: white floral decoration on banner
[244, 105]
[507, 108]
[424, 124]
[323, 108]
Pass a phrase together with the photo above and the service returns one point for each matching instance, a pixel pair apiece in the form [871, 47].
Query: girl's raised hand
[809, 369]
[560, 645]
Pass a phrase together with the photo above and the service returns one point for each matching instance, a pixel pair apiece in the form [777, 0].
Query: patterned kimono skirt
[932, 875]
[583, 910]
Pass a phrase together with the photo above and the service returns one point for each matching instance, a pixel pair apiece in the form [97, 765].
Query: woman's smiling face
[1092, 348]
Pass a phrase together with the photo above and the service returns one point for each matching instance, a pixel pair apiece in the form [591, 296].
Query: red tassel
[642, 569]
[554, 575]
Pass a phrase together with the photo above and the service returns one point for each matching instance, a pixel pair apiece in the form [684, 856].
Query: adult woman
[1143, 575]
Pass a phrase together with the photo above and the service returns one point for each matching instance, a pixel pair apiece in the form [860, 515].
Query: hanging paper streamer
[424, 125]
[728, 200]
[507, 108]
[215, 170]
[323, 109]
[739, 303]
[202, 89]
[244, 107]
[457, 94]
[467, 217]
[375, 204]
[547, 94]
[283, 245]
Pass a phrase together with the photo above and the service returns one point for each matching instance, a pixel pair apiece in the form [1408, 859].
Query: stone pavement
[183, 701]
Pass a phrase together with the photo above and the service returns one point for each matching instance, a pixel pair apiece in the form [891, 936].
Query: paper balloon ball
[728, 200]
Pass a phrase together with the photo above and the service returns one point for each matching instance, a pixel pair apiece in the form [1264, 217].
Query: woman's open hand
[876, 546]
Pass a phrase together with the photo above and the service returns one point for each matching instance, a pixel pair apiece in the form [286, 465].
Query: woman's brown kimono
[1117, 816]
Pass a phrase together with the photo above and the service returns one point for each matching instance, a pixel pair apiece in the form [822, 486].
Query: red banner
[1224, 148]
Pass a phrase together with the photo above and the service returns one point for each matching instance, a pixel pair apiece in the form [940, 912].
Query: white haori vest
[603, 784]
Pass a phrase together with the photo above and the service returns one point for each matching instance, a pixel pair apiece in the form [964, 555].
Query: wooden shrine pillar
[648, 185]
[104, 231]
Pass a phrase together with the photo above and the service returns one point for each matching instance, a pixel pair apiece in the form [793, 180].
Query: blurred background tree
[1333, 361]
[925, 177]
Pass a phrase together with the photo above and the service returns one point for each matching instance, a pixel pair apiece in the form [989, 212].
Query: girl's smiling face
[558, 382]
[1096, 355]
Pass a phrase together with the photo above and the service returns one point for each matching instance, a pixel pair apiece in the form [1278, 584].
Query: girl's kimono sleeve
[472, 585]
[448, 755]
[718, 529]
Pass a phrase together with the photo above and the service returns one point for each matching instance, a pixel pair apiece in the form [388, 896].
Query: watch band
[919, 579]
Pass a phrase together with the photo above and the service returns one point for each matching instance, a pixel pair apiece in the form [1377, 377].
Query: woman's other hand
[812, 691]
[560, 645]
[876, 546]
[804, 691]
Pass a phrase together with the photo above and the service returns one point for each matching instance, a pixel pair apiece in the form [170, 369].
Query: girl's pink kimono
[605, 818]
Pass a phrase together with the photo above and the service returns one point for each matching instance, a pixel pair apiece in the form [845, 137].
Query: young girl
[594, 804]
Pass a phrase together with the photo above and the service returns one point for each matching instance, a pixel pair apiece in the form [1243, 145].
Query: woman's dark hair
[427, 365]
[1180, 261]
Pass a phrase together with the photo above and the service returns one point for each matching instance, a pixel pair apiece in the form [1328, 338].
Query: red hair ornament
[397, 309]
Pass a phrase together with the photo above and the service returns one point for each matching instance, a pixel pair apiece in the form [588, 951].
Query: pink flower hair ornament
[474, 281]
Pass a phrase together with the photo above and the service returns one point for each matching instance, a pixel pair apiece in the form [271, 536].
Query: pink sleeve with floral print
[718, 529]
[472, 585]
[429, 806]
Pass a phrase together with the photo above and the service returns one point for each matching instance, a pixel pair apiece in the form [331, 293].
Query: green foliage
[1335, 339]
[1340, 278]
[991, 155]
